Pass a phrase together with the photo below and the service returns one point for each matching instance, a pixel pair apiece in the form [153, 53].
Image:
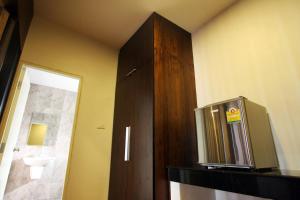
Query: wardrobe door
[121, 139]
[140, 171]
[134, 110]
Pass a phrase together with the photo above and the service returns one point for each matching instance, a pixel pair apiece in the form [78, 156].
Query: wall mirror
[37, 134]
[45, 126]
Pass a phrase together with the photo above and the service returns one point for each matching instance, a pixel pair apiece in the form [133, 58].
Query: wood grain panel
[25, 15]
[137, 183]
[140, 181]
[22, 10]
[175, 101]
[10, 61]
[161, 109]
[3, 20]
[122, 118]
[140, 185]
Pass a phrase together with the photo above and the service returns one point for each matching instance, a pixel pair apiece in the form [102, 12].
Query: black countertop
[276, 184]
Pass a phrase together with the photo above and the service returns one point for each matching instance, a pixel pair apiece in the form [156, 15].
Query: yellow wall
[253, 50]
[60, 49]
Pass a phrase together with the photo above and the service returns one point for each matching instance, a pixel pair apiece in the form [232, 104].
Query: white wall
[253, 50]
[221, 195]
[190, 192]
[57, 48]
[56, 108]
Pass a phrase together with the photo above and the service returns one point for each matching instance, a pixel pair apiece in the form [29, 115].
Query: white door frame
[11, 132]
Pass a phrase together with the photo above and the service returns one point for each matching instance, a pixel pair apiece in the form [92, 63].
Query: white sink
[37, 161]
[37, 165]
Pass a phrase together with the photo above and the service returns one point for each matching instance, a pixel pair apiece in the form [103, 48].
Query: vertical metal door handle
[215, 132]
[127, 144]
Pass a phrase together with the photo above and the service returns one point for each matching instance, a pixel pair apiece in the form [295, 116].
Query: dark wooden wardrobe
[154, 111]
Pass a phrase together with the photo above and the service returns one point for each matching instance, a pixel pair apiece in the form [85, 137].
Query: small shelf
[277, 184]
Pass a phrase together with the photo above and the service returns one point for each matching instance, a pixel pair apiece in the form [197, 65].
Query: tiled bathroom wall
[55, 108]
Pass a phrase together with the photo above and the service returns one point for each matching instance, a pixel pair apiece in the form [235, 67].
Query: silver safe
[235, 133]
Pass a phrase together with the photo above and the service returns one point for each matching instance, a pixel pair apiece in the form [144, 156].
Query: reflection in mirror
[37, 134]
[52, 121]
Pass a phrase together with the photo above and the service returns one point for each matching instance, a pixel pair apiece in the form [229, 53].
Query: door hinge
[2, 147]
[19, 85]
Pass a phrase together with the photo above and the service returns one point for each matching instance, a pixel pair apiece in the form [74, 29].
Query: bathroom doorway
[39, 131]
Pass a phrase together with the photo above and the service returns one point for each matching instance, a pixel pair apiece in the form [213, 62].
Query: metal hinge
[131, 72]
[2, 147]
[19, 85]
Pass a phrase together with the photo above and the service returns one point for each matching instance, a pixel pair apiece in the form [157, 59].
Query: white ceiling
[112, 22]
[50, 79]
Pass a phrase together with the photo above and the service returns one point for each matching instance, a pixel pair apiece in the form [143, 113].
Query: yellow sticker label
[233, 115]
